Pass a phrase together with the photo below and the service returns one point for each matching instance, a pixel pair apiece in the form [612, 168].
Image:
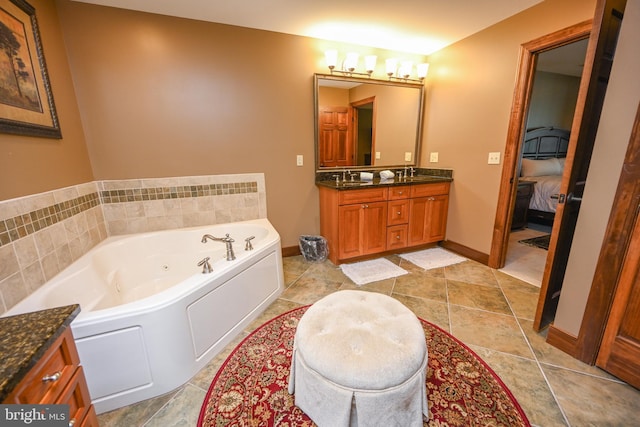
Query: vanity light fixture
[350, 64]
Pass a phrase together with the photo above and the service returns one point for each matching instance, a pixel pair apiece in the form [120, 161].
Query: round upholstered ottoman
[360, 358]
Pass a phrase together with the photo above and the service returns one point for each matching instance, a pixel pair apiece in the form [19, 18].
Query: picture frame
[26, 99]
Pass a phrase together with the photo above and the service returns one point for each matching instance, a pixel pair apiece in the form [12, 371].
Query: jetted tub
[150, 319]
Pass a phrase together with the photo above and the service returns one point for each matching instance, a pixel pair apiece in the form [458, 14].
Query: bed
[543, 154]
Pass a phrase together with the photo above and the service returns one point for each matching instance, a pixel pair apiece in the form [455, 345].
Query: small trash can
[314, 248]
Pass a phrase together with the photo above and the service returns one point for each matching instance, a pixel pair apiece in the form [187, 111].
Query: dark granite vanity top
[24, 338]
[377, 182]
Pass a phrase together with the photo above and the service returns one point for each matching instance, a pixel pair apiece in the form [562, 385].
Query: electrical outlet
[433, 157]
[407, 156]
[299, 160]
[377, 155]
[494, 158]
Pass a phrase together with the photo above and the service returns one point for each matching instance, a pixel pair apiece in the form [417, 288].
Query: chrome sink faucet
[226, 240]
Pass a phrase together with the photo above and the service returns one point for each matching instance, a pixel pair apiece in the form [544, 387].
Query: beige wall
[163, 96]
[618, 115]
[553, 100]
[469, 95]
[31, 165]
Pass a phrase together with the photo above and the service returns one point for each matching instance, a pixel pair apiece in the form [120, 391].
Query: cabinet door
[362, 229]
[428, 219]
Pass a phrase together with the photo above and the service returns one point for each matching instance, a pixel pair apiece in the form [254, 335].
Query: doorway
[364, 123]
[529, 54]
[554, 93]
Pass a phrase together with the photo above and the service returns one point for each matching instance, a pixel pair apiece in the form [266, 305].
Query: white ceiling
[414, 26]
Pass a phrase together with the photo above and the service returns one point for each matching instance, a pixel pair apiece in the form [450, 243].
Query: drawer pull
[365, 206]
[431, 199]
[52, 378]
[72, 422]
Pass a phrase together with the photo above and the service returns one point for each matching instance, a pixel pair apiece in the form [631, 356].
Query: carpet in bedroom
[541, 242]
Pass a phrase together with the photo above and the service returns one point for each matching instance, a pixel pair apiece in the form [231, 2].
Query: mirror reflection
[366, 123]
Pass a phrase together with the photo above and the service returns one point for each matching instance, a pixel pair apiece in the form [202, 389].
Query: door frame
[515, 133]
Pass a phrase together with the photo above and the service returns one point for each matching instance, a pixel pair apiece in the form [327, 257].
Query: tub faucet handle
[248, 246]
[206, 267]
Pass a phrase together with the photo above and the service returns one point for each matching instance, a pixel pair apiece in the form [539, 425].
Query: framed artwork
[26, 101]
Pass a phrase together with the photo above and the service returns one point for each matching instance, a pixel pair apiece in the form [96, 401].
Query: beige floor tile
[471, 272]
[136, 414]
[423, 286]
[522, 296]
[527, 384]
[593, 401]
[550, 355]
[182, 410]
[427, 309]
[490, 330]
[477, 296]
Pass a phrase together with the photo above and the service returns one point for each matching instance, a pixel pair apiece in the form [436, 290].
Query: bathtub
[150, 319]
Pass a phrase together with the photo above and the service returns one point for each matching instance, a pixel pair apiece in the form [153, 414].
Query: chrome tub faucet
[226, 240]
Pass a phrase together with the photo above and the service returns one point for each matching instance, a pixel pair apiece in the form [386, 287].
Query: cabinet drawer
[423, 190]
[363, 196]
[48, 378]
[398, 212]
[397, 237]
[402, 192]
[76, 395]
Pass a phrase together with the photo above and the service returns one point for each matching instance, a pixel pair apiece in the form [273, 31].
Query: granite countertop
[24, 338]
[377, 182]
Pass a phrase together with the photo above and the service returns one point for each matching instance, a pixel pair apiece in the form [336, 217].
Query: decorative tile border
[179, 192]
[20, 226]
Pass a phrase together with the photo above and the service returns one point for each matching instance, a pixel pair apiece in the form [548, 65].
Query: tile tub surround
[42, 234]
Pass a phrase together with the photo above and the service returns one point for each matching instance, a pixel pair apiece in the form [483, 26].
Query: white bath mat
[433, 258]
[371, 271]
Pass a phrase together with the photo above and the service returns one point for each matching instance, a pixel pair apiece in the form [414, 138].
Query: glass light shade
[405, 69]
[391, 65]
[423, 69]
[351, 62]
[370, 63]
[331, 57]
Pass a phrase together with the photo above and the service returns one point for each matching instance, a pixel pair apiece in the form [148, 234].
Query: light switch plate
[494, 158]
[407, 156]
[299, 160]
[433, 157]
[377, 155]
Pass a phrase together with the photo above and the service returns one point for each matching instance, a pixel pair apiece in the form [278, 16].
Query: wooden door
[602, 44]
[620, 349]
[335, 142]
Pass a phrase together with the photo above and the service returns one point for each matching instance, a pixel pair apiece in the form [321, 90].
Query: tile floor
[487, 309]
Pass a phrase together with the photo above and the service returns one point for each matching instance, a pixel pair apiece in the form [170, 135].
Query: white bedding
[545, 186]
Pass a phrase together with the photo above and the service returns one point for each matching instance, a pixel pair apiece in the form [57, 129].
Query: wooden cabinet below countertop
[362, 222]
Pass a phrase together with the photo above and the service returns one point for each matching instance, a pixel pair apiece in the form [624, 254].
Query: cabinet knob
[52, 377]
[397, 237]
[399, 213]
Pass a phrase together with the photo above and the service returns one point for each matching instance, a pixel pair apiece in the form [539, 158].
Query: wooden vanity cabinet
[368, 221]
[429, 205]
[58, 378]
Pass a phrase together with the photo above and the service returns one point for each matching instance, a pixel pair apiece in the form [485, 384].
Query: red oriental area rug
[250, 389]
